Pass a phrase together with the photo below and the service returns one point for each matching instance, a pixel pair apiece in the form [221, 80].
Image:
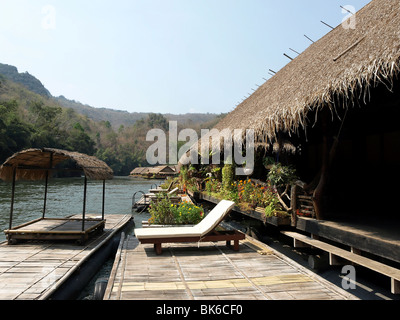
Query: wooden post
[46, 186]
[45, 194]
[158, 248]
[300, 244]
[293, 204]
[12, 196]
[395, 286]
[104, 194]
[319, 191]
[84, 204]
[236, 245]
[335, 260]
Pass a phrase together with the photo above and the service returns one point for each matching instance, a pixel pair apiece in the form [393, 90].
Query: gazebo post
[12, 196]
[46, 186]
[45, 194]
[84, 204]
[104, 195]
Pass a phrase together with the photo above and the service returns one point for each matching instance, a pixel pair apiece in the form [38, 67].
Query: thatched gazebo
[40, 164]
[346, 79]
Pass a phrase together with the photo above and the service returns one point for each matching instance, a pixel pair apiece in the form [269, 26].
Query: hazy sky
[167, 56]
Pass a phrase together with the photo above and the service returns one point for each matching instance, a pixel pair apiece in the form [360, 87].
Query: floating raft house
[40, 164]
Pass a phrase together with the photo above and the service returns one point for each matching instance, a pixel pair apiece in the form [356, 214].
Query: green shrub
[164, 212]
[160, 211]
[280, 175]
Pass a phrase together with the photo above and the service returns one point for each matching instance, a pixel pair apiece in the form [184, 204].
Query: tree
[46, 122]
[79, 141]
[157, 120]
[14, 133]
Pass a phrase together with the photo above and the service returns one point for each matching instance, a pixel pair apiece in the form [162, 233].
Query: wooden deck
[374, 235]
[211, 271]
[56, 229]
[338, 256]
[35, 270]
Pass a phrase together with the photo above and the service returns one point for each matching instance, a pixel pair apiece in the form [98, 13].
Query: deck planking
[35, 270]
[211, 271]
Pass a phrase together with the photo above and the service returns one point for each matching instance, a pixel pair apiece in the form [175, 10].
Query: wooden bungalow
[162, 172]
[41, 164]
[338, 105]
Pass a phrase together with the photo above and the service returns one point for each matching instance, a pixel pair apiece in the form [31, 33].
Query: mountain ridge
[114, 116]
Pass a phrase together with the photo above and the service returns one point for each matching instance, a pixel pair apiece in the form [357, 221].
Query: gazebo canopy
[33, 164]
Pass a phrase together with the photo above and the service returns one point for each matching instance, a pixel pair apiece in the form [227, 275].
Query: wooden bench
[337, 254]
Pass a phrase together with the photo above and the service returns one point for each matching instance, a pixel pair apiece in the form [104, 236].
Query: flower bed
[221, 184]
[247, 195]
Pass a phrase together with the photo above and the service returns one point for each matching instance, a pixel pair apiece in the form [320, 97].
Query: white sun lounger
[202, 232]
[162, 190]
[170, 193]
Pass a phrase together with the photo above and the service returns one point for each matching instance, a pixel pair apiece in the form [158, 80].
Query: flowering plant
[160, 211]
[213, 186]
[187, 213]
[164, 212]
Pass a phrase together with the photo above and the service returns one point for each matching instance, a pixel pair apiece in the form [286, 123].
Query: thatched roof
[344, 63]
[139, 170]
[33, 164]
[161, 169]
[164, 169]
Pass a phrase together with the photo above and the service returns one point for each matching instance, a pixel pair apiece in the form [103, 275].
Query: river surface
[65, 198]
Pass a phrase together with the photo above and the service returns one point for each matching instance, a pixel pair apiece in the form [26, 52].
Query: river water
[65, 198]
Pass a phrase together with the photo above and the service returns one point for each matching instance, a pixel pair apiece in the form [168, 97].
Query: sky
[161, 56]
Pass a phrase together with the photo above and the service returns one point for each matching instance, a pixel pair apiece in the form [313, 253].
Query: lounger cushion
[215, 217]
[209, 223]
[174, 232]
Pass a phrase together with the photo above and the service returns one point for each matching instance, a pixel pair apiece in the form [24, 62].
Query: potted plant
[280, 175]
[268, 162]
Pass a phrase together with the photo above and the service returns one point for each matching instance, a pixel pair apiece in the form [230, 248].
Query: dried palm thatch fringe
[33, 164]
[333, 73]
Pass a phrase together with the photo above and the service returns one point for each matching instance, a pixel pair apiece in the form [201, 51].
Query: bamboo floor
[35, 270]
[211, 271]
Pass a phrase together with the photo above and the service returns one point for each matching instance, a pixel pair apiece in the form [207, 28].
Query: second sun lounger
[202, 232]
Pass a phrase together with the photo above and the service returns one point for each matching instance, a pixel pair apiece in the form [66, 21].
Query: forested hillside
[31, 118]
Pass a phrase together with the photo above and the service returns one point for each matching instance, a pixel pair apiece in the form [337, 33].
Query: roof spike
[347, 10]
[287, 56]
[327, 25]
[309, 39]
[294, 51]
